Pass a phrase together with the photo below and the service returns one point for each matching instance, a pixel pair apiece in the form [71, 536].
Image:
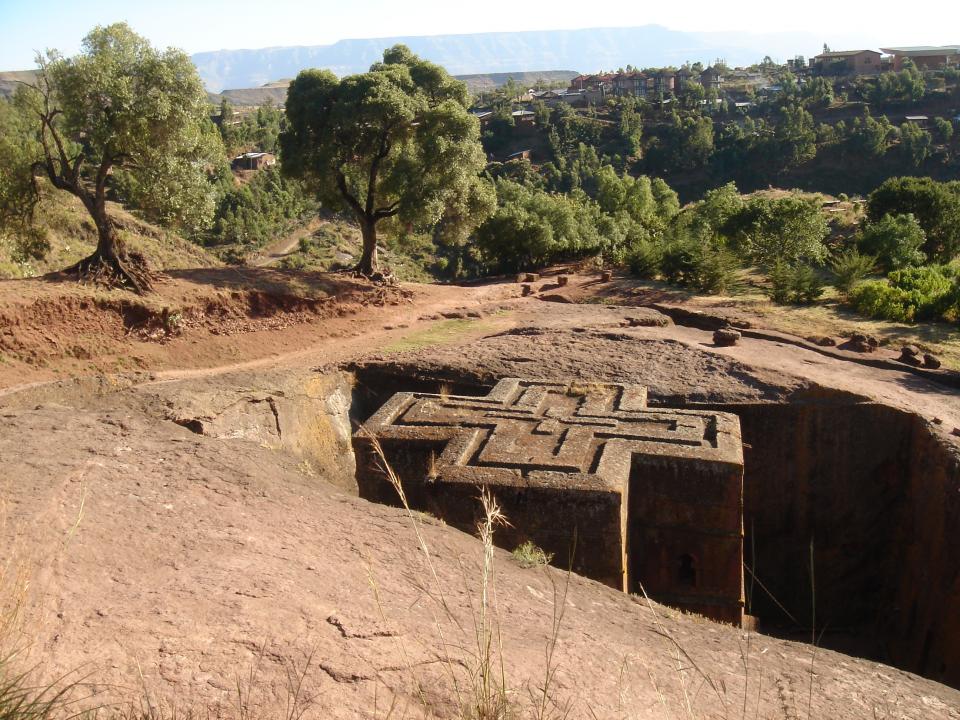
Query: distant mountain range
[484, 53]
[276, 92]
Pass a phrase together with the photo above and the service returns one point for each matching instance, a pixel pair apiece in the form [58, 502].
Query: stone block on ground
[726, 337]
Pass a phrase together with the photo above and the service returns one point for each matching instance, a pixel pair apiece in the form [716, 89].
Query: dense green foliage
[533, 225]
[259, 129]
[788, 229]
[797, 284]
[912, 294]
[849, 268]
[254, 213]
[895, 241]
[394, 142]
[936, 207]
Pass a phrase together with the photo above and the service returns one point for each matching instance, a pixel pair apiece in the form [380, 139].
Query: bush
[849, 268]
[529, 555]
[645, 260]
[30, 242]
[935, 205]
[781, 283]
[794, 284]
[877, 299]
[788, 229]
[895, 240]
[922, 293]
[700, 267]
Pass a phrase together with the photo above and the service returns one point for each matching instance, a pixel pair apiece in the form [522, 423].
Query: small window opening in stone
[687, 574]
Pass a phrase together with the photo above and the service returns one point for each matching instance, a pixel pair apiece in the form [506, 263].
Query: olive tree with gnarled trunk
[121, 104]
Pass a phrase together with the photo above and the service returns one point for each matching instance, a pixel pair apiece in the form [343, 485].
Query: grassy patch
[529, 555]
[443, 332]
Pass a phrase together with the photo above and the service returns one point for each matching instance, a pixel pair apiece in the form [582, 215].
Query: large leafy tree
[393, 142]
[786, 230]
[935, 205]
[120, 105]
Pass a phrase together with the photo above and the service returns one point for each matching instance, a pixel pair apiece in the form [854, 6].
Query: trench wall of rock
[871, 496]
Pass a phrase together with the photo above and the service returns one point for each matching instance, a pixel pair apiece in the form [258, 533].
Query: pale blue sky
[194, 25]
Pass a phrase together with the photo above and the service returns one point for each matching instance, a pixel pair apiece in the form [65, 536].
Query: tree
[895, 240]
[936, 207]
[796, 136]
[789, 229]
[870, 137]
[393, 142]
[915, 143]
[121, 105]
[944, 129]
[905, 86]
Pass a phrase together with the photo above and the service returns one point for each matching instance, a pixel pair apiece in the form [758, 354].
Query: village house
[630, 83]
[712, 78]
[662, 82]
[926, 57]
[523, 117]
[682, 77]
[847, 62]
[520, 155]
[253, 161]
[484, 116]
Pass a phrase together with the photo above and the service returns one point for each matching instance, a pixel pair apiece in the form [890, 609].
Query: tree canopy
[393, 142]
[935, 205]
[119, 105]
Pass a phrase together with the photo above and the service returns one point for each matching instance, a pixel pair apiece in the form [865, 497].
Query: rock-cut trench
[868, 493]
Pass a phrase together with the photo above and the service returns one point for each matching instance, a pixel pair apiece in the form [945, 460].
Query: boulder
[726, 337]
[910, 354]
[822, 340]
[863, 343]
[931, 361]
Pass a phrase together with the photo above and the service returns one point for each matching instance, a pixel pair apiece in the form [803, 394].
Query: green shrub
[929, 287]
[877, 299]
[645, 260]
[529, 555]
[781, 283]
[30, 243]
[794, 284]
[716, 271]
[919, 293]
[807, 285]
[700, 267]
[849, 268]
[789, 229]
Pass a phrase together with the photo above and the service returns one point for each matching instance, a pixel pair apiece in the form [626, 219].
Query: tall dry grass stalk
[486, 692]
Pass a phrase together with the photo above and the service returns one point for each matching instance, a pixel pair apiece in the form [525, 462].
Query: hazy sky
[30, 25]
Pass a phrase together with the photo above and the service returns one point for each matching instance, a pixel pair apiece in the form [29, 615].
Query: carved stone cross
[621, 492]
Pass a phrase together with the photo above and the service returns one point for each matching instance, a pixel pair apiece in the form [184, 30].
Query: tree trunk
[109, 247]
[368, 264]
[110, 262]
